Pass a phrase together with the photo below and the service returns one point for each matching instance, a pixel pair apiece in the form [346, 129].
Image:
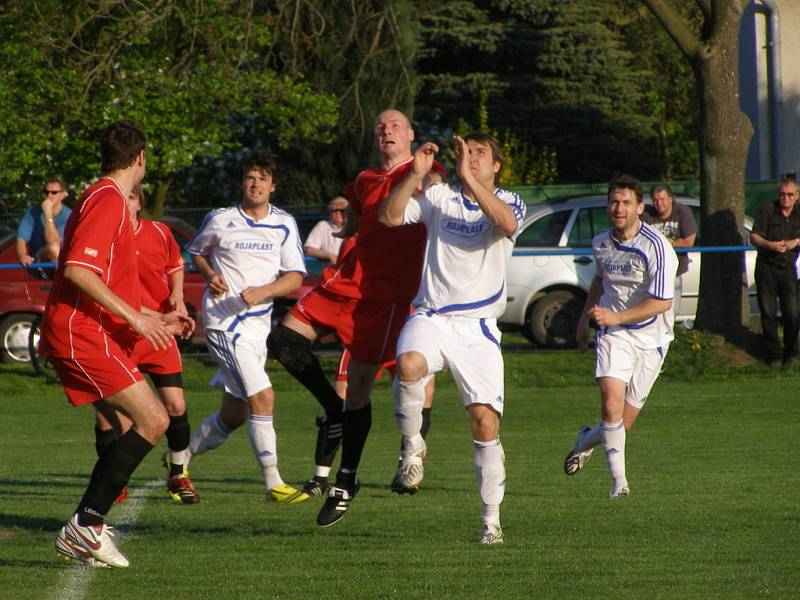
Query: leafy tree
[182, 69]
[725, 132]
[558, 74]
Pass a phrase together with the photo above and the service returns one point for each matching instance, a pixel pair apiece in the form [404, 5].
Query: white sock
[211, 434]
[321, 471]
[590, 439]
[613, 439]
[264, 445]
[409, 397]
[181, 457]
[491, 474]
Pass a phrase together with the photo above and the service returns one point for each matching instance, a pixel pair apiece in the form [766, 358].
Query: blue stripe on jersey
[470, 305]
[250, 222]
[206, 219]
[239, 318]
[658, 244]
[468, 204]
[630, 249]
[488, 334]
[639, 325]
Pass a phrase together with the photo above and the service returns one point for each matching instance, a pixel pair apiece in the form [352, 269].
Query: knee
[290, 348]
[411, 366]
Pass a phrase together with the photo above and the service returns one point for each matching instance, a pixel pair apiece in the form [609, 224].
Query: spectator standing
[321, 243]
[676, 223]
[776, 234]
[42, 227]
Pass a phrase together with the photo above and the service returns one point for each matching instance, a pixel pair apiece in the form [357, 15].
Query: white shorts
[241, 363]
[617, 357]
[470, 348]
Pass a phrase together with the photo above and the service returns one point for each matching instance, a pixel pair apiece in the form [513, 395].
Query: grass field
[713, 511]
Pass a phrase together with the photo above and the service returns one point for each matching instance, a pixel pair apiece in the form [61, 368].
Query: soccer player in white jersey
[630, 300]
[248, 254]
[463, 291]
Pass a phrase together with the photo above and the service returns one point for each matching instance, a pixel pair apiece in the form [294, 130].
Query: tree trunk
[725, 136]
[156, 208]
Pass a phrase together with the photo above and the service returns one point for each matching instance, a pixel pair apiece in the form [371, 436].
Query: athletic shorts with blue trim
[468, 347]
[639, 368]
[241, 363]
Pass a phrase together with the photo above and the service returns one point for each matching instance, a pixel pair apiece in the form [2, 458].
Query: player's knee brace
[291, 349]
[490, 471]
[409, 397]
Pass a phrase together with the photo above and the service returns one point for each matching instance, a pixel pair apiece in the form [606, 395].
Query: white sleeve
[662, 266]
[516, 203]
[292, 258]
[420, 207]
[316, 238]
[206, 238]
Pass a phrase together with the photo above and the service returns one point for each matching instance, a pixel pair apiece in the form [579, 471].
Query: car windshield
[545, 231]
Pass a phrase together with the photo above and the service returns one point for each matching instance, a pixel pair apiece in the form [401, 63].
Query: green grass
[712, 513]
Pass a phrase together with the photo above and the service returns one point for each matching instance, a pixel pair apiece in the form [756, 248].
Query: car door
[586, 223]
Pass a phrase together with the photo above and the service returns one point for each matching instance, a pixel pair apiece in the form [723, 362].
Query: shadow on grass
[36, 524]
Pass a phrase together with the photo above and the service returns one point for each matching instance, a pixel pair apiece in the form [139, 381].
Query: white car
[546, 292]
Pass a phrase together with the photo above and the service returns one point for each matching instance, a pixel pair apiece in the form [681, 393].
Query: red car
[23, 294]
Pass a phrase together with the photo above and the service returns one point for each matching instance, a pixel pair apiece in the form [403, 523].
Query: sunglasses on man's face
[52, 192]
[339, 210]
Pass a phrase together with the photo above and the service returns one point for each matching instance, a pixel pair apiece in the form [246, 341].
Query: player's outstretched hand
[153, 329]
[179, 324]
[217, 285]
[462, 158]
[423, 158]
[253, 295]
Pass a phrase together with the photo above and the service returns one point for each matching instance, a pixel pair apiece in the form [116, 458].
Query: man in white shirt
[321, 243]
[248, 254]
[630, 300]
[463, 291]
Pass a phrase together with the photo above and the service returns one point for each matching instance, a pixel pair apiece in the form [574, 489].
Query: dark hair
[497, 152]
[57, 180]
[626, 182]
[661, 187]
[120, 144]
[787, 180]
[260, 160]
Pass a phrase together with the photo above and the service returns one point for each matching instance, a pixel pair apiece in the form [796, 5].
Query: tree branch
[705, 6]
[676, 26]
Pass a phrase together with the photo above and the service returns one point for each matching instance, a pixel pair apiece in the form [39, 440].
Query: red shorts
[160, 362]
[341, 373]
[368, 328]
[88, 379]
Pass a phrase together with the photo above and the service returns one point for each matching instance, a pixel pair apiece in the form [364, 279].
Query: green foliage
[179, 68]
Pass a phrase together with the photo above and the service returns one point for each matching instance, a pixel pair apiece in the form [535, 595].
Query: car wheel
[554, 319]
[14, 332]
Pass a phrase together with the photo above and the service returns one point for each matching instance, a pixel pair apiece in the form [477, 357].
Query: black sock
[103, 438]
[426, 423]
[356, 429]
[178, 434]
[294, 352]
[329, 438]
[111, 473]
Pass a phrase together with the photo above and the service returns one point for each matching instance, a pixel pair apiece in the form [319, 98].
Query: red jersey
[386, 263]
[158, 257]
[98, 237]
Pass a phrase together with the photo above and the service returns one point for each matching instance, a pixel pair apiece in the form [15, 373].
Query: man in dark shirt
[776, 234]
[676, 222]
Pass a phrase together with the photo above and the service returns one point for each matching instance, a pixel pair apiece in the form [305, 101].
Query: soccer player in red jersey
[161, 286]
[92, 321]
[365, 302]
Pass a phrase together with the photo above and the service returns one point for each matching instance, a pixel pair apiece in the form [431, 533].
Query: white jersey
[466, 256]
[246, 253]
[321, 238]
[640, 268]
